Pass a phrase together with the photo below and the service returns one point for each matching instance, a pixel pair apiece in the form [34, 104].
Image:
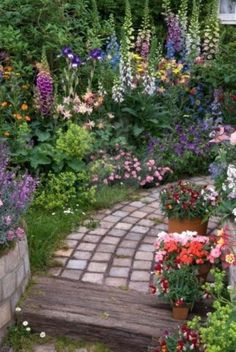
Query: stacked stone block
[14, 276]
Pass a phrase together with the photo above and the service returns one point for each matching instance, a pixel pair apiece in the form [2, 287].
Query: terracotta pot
[180, 313]
[180, 225]
[203, 271]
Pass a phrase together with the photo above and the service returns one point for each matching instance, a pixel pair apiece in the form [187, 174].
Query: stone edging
[14, 277]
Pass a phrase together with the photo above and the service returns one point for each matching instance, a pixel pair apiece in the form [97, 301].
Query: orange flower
[18, 116]
[27, 118]
[6, 134]
[8, 68]
[4, 104]
[24, 107]
[170, 246]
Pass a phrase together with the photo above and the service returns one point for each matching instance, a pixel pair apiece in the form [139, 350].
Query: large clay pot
[180, 225]
[180, 313]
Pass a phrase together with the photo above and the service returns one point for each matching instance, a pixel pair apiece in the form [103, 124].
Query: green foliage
[65, 189]
[76, 142]
[183, 284]
[140, 113]
[219, 331]
[48, 23]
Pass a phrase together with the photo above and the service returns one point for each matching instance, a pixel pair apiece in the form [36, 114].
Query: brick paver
[119, 251]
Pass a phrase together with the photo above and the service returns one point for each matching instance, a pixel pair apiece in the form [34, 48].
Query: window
[227, 11]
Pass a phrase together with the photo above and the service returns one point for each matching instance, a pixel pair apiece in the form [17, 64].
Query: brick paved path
[119, 251]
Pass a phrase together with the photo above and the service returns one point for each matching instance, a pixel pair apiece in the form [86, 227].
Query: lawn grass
[22, 341]
[46, 230]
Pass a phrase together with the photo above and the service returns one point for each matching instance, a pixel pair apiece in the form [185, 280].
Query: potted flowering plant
[188, 248]
[184, 339]
[180, 287]
[188, 206]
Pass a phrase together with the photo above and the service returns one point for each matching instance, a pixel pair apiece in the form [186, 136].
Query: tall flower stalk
[113, 47]
[211, 33]
[126, 47]
[193, 36]
[144, 34]
[183, 20]
[44, 87]
[173, 36]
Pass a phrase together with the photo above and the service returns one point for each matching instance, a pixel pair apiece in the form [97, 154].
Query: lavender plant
[15, 196]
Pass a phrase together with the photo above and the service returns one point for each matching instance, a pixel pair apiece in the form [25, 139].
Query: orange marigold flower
[24, 107]
[27, 118]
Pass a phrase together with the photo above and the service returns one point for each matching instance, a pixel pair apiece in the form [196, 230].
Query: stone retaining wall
[14, 276]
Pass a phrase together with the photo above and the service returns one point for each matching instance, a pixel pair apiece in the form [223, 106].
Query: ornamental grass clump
[16, 192]
[188, 200]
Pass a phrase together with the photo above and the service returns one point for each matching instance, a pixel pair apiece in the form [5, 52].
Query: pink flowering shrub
[125, 167]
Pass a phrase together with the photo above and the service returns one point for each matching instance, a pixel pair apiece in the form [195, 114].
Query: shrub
[64, 190]
[76, 142]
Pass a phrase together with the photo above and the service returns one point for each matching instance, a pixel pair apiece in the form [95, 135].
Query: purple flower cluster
[75, 60]
[44, 91]
[15, 196]
[174, 35]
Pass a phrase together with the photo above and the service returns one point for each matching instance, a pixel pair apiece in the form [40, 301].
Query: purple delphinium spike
[174, 32]
[44, 90]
